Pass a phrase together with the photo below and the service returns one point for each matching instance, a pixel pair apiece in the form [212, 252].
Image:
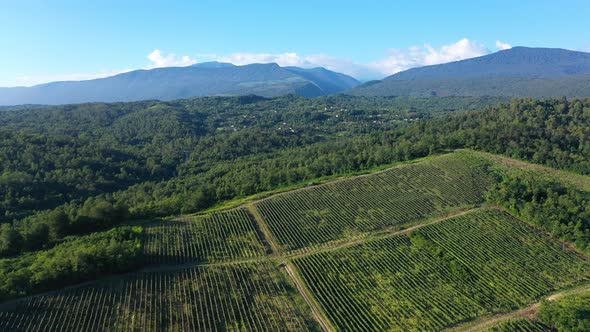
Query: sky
[54, 40]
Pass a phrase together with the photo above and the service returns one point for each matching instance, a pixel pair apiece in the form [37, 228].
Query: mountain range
[516, 72]
[204, 79]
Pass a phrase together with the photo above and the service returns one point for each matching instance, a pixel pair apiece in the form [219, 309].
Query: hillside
[520, 71]
[76, 169]
[87, 190]
[453, 260]
[206, 79]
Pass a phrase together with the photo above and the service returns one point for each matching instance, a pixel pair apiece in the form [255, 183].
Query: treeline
[571, 313]
[73, 261]
[79, 168]
[46, 228]
[553, 132]
[559, 209]
[54, 155]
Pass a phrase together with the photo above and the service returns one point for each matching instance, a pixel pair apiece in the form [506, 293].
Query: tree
[36, 236]
[10, 240]
[58, 222]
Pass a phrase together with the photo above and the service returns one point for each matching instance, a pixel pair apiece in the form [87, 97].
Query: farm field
[216, 237]
[393, 198]
[518, 325]
[411, 248]
[478, 263]
[233, 297]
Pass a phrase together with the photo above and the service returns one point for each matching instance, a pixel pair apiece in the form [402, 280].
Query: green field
[396, 197]
[474, 264]
[518, 325]
[219, 236]
[235, 297]
[339, 255]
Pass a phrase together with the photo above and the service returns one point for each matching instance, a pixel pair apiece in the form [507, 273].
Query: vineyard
[340, 254]
[393, 198]
[518, 325]
[474, 264]
[234, 297]
[219, 236]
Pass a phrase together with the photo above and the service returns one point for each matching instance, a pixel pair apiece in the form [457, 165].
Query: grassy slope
[506, 164]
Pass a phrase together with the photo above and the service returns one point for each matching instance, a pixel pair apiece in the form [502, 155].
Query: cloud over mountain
[396, 60]
[171, 60]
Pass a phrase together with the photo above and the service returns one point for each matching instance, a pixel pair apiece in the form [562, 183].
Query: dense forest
[74, 169]
[79, 168]
[73, 261]
[553, 132]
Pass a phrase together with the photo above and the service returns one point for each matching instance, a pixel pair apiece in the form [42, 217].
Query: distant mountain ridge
[204, 79]
[517, 72]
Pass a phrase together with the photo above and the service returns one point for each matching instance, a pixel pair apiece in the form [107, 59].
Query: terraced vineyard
[478, 263]
[234, 297]
[393, 198]
[219, 236]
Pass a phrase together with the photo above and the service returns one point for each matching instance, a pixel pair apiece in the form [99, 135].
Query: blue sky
[48, 40]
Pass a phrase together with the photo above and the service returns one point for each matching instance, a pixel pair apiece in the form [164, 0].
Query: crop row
[518, 325]
[215, 237]
[236, 297]
[463, 267]
[393, 198]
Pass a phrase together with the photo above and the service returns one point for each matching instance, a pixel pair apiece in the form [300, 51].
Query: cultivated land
[233, 297]
[393, 198]
[438, 275]
[220, 236]
[413, 247]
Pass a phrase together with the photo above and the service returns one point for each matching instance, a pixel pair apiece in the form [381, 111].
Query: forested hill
[75, 169]
[520, 71]
[205, 79]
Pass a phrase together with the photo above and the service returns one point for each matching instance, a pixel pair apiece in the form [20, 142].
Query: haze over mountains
[517, 72]
[204, 79]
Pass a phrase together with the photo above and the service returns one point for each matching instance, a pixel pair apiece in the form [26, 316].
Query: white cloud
[402, 59]
[29, 80]
[283, 59]
[171, 60]
[343, 65]
[397, 60]
[503, 46]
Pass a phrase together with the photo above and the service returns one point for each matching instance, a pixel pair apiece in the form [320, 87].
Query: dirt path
[528, 312]
[263, 227]
[379, 234]
[294, 275]
[318, 314]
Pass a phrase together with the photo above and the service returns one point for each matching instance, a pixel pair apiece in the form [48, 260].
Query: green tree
[10, 240]
[58, 222]
[36, 236]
